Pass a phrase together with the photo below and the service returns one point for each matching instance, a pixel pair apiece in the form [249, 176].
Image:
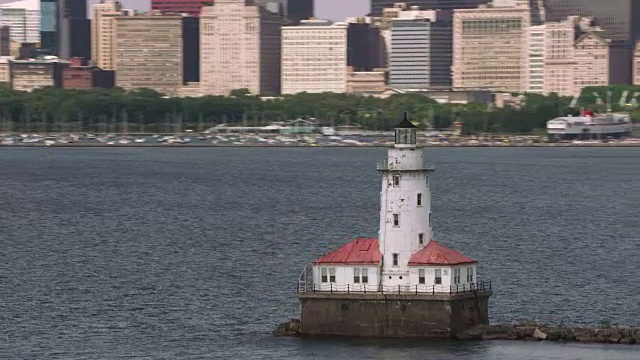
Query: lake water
[184, 253]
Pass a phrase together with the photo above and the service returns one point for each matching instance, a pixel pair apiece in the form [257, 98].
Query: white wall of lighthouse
[405, 208]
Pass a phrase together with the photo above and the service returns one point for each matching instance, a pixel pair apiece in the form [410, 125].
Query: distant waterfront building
[191, 7]
[536, 55]
[148, 51]
[314, 57]
[559, 59]
[618, 18]
[79, 75]
[292, 10]
[5, 41]
[366, 49]
[30, 74]
[102, 33]
[4, 69]
[377, 6]
[23, 19]
[65, 29]
[239, 48]
[636, 63]
[490, 47]
[366, 82]
[190, 49]
[420, 52]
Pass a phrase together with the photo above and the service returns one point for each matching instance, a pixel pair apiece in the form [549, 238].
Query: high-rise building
[378, 5]
[559, 59]
[490, 48]
[23, 19]
[636, 64]
[148, 51]
[535, 58]
[420, 53]
[5, 41]
[292, 10]
[102, 33]
[191, 7]
[620, 19]
[65, 29]
[190, 49]
[365, 46]
[314, 57]
[239, 48]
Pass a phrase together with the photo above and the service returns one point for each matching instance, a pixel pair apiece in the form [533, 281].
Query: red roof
[437, 254]
[359, 251]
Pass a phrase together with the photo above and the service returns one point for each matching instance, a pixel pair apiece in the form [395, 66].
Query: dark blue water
[194, 253]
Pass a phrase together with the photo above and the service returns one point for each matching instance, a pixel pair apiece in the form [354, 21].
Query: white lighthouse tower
[405, 206]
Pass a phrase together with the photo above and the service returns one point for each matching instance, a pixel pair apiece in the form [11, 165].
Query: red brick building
[80, 76]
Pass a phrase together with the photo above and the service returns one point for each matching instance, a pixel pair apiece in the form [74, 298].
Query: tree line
[114, 110]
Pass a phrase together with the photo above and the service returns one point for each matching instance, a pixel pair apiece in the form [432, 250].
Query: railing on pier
[480, 286]
[385, 166]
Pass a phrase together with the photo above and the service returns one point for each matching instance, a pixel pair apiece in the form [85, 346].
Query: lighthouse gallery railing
[480, 286]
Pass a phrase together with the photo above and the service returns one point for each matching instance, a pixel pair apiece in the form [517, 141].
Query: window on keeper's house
[324, 278]
[470, 274]
[360, 275]
[421, 278]
[332, 275]
[365, 275]
[438, 278]
[456, 276]
[356, 275]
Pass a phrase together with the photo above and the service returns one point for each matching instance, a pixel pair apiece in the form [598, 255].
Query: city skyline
[336, 10]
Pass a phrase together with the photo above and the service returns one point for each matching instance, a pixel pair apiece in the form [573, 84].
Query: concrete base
[392, 315]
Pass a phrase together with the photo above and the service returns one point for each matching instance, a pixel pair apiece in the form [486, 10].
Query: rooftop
[359, 251]
[437, 254]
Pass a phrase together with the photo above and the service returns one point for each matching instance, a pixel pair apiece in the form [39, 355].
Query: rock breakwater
[523, 332]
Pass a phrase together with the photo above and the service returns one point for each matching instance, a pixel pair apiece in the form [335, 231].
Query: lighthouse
[405, 206]
[403, 283]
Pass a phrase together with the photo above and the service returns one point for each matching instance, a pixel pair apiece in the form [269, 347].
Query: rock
[558, 334]
[523, 332]
[585, 335]
[291, 328]
[538, 334]
[474, 333]
[636, 335]
[627, 340]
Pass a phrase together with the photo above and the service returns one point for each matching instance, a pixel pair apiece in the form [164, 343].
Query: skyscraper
[23, 19]
[65, 29]
[620, 19]
[239, 48]
[378, 5]
[102, 33]
[292, 10]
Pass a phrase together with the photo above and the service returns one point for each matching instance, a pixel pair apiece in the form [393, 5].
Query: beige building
[102, 33]
[30, 74]
[366, 81]
[592, 56]
[636, 64]
[5, 74]
[560, 62]
[148, 50]
[490, 47]
[314, 57]
[239, 48]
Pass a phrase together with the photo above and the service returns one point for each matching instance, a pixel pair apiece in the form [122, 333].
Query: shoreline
[364, 145]
[526, 331]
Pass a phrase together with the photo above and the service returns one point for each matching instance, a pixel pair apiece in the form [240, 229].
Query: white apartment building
[103, 33]
[23, 17]
[490, 47]
[314, 57]
[239, 48]
[535, 73]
